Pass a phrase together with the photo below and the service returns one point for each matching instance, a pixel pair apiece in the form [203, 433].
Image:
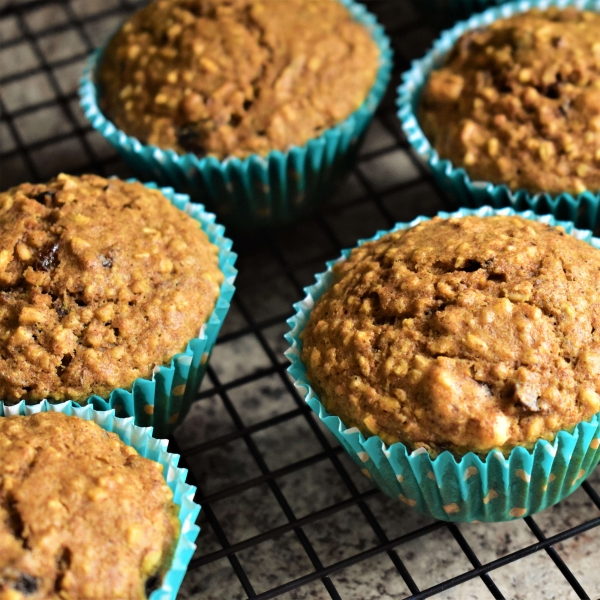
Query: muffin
[255, 109]
[465, 334]
[102, 281]
[454, 465]
[518, 102]
[82, 515]
[221, 78]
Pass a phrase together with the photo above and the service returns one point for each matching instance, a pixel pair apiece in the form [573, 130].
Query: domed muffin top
[100, 281]
[518, 102]
[236, 77]
[465, 334]
[82, 515]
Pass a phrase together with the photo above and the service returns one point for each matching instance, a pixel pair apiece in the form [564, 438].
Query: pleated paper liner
[259, 191]
[582, 208]
[470, 487]
[141, 439]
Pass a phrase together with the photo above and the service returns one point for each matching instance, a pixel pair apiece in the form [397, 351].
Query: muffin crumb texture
[236, 77]
[465, 334]
[518, 102]
[82, 515]
[100, 281]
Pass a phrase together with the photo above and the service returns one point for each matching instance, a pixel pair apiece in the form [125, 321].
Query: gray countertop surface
[42, 132]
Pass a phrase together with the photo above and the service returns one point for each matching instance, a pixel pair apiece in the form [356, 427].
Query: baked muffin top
[236, 77]
[100, 281]
[465, 334]
[519, 102]
[82, 515]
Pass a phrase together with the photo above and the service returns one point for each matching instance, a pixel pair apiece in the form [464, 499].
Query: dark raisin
[45, 198]
[552, 92]
[247, 104]
[152, 583]
[26, 584]
[565, 107]
[61, 311]
[190, 139]
[47, 258]
[107, 260]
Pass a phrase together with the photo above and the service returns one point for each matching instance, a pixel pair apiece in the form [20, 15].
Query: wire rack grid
[285, 512]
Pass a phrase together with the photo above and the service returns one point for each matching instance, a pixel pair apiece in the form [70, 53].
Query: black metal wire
[470, 554]
[324, 452]
[215, 525]
[509, 558]
[60, 99]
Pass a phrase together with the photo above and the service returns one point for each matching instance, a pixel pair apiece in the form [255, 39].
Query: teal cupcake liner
[582, 208]
[141, 439]
[257, 191]
[163, 400]
[492, 487]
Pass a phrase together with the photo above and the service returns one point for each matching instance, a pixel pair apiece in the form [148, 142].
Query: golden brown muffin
[519, 102]
[464, 334]
[82, 515]
[236, 77]
[100, 281]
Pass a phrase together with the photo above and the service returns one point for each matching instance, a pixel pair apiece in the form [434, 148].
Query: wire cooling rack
[285, 513]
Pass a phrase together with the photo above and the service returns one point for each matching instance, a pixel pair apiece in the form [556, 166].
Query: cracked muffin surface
[100, 281]
[236, 77]
[518, 102]
[465, 334]
[82, 515]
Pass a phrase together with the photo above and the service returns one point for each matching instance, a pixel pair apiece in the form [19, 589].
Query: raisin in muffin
[467, 334]
[236, 77]
[100, 282]
[518, 102]
[82, 515]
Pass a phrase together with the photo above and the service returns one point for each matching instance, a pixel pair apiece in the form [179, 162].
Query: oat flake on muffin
[466, 334]
[518, 102]
[236, 77]
[100, 281]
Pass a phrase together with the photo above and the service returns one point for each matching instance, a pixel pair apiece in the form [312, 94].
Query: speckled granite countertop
[260, 461]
